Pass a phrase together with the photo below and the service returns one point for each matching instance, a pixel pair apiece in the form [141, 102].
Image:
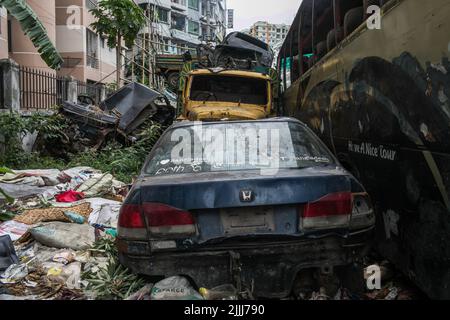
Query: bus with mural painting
[372, 79]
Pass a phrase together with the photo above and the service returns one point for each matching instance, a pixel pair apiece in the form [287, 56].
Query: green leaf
[118, 17]
[4, 170]
[35, 30]
[6, 216]
[8, 198]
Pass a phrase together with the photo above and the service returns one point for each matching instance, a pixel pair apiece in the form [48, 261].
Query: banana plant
[35, 30]
[9, 199]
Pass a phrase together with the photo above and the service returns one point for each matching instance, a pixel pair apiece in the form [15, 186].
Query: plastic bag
[7, 253]
[142, 294]
[224, 292]
[74, 217]
[64, 257]
[174, 288]
[13, 229]
[70, 275]
[64, 235]
[14, 273]
[73, 274]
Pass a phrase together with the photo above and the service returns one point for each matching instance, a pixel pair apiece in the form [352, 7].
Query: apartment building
[183, 24]
[272, 34]
[86, 56]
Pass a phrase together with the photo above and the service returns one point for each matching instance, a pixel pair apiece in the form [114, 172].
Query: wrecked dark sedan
[121, 114]
[262, 205]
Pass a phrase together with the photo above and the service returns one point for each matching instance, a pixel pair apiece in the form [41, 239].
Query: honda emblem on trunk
[247, 196]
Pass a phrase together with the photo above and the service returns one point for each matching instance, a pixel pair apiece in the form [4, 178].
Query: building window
[193, 4]
[166, 45]
[193, 27]
[10, 47]
[180, 2]
[178, 22]
[91, 49]
[163, 15]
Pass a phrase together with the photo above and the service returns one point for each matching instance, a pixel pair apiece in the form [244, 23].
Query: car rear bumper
[269, 268]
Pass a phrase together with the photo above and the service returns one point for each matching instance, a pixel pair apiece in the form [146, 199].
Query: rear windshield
[229, 89]
[237, 146]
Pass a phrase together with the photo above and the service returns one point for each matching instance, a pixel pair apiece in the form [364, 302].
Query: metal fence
[41, 90]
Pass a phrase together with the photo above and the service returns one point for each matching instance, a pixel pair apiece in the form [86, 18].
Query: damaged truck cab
[222, 94]
[233, 81]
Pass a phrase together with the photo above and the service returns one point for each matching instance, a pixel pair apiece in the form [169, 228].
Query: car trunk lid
[221, 206]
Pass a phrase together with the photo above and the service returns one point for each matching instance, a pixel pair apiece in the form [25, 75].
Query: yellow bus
[372, 79]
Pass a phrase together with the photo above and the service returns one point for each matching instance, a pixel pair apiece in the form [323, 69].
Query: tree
[118, 20]
[35, 30]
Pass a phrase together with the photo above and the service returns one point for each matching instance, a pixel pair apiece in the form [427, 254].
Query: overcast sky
[247, 12]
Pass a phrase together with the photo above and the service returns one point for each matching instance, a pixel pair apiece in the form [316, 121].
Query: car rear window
[235, 146]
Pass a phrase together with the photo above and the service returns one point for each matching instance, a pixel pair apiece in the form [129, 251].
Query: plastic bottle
[224, 292]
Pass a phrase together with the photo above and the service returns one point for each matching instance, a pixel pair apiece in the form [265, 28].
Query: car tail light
[166, 220]
[131, 222]
[332, 211]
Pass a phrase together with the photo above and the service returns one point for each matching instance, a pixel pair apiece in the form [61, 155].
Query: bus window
[295, 68]
[323, 23]
[287, 62]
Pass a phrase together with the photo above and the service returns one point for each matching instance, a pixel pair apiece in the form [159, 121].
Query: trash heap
[56, 227]
[57, 241]
[393, 285]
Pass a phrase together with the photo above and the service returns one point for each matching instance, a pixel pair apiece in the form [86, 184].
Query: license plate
[247, 220]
